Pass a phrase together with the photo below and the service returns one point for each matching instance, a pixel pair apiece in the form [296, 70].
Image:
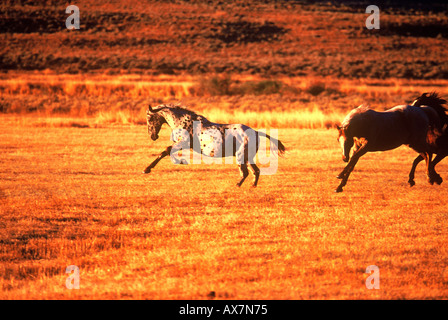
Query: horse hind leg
[244, 173]
[433, 176]
[439, 157]
[256, 172]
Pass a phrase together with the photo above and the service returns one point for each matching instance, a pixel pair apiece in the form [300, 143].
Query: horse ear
[150, 108]
[338, 127]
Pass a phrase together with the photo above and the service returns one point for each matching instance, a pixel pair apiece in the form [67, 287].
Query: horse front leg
[165, 153]
[359, 143]
[351, 165]
[343, 172]
[412, 172]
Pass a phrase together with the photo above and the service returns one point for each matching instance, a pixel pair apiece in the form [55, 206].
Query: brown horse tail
[275, 144]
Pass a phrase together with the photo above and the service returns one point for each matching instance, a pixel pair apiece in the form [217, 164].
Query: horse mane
[353, 114]
[434, 101]
[178, 107]
[435, 96]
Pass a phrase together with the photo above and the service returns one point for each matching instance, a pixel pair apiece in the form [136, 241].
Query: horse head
[154, 121]
[345, 142]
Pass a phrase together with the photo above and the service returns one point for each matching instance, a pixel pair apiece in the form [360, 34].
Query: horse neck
[441, 111]
[175, 119]
[354, 127]
[169, 118]
[443, 115]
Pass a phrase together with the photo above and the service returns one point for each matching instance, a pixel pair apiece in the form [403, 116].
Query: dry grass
[303, 102]
[73, 144]
[76, 196]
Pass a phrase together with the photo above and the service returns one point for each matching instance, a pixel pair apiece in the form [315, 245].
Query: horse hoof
[411, 183]
[254, 186]
[146, 171]
[339, 177]
[338, 190]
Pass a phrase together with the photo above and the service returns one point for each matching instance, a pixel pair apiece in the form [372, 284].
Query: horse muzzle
[154, 137]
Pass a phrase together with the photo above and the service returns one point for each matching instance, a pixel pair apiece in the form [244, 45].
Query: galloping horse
[193, 131]
[369, 131]
[441, 142]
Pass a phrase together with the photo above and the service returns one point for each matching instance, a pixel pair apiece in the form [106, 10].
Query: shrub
[214, 86]
[316, 88]
[261, 87]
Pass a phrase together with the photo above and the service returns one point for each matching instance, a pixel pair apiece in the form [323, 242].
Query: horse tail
[275, 144]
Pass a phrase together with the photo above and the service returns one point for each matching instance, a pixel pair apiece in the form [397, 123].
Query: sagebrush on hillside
[245, 37]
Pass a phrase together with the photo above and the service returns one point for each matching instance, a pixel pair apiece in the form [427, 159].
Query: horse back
[386, 130]
[423, 124]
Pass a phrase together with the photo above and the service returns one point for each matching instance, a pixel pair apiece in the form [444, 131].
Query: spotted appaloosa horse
[433, 100]
[193, 131]
[368, 131]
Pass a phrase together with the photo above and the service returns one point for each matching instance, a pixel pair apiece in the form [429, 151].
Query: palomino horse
[193, 131]
[369, 131]
[441, 142]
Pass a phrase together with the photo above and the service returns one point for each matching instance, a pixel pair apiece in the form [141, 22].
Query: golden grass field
[73, 144]
[76, 196]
